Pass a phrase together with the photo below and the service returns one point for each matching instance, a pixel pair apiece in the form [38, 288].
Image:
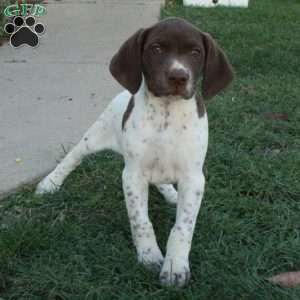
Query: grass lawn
[76, 244]
[3, 4]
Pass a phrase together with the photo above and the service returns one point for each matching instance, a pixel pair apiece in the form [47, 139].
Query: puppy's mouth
[173, 91]
[179, 92]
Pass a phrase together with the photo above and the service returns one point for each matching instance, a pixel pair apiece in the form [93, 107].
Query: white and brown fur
[160, 127]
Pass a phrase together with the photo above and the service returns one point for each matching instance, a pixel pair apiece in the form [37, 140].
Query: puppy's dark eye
[196, 52]
[157, 49]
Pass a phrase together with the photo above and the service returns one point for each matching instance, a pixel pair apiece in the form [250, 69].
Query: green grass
[3, 19]
[76, 244]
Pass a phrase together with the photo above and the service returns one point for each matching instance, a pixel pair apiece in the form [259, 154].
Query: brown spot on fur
[198, 193]
[128, 111]
[200, 106]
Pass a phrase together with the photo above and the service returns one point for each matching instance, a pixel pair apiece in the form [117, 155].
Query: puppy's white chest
[166, 142]
[162, 158]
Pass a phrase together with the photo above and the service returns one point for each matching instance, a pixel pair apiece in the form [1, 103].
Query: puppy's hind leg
[169, 192]
[100, 136]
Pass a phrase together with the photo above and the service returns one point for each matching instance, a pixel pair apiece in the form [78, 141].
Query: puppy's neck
[174, 106]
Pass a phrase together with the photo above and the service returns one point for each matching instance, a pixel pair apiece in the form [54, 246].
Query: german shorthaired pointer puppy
[160, 127]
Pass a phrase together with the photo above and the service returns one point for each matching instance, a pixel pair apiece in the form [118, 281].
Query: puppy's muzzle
[178, 78]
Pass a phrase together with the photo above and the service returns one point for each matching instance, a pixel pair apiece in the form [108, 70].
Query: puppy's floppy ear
[126, 65]
[217, 71]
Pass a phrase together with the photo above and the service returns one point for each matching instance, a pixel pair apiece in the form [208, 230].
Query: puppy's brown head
[172, 55]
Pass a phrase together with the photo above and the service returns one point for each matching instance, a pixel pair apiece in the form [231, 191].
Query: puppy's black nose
[178, 77]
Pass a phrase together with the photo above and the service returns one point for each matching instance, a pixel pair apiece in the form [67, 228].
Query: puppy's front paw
[151, 258]
[47, 185]
[175, 273]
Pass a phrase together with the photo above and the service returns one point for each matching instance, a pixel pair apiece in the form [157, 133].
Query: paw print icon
[24, 31]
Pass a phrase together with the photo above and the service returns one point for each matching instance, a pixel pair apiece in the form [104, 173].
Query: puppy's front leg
[136, 196]
[176, 270]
